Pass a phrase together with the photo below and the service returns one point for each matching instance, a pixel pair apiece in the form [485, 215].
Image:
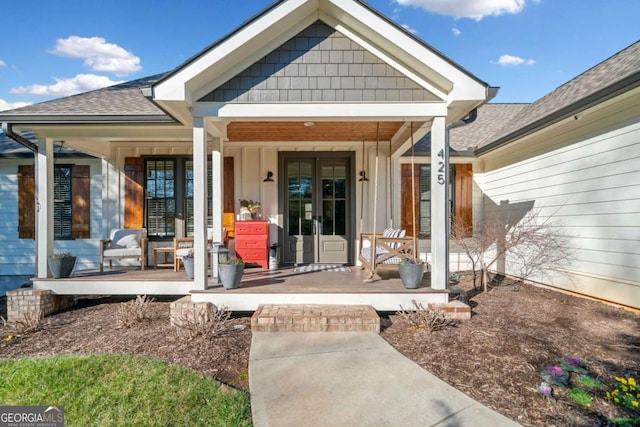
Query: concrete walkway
[351, 379]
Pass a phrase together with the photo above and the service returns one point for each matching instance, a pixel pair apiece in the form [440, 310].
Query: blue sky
[526, 47]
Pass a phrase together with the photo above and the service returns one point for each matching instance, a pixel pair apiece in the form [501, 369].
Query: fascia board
[175, 87]
[325, 111]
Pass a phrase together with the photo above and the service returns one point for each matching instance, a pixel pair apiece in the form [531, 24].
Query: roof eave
[82, 119]
[624, 85]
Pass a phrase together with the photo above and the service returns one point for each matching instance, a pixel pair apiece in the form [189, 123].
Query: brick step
[315, 318]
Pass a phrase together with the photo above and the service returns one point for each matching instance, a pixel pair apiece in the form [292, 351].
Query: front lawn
[121, 390]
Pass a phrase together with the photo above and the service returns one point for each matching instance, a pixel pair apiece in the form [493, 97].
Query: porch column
[217, 188]
[200, 252]
[439, 205]
[44, 206]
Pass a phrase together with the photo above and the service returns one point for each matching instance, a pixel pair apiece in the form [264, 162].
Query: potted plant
[61, 264]
[187, 261]
[248, 208]
[230, 272]
[411, 272]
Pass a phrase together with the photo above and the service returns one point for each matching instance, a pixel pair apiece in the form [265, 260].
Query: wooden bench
[388, 250]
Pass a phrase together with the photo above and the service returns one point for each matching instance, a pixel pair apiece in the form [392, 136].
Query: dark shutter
[228, 201]
[81, 201]
[134, 192]
[408, 201]
[463, 203]
[26, 202]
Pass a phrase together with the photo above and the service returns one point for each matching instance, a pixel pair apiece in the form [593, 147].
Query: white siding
[17, 256]
[591, 188]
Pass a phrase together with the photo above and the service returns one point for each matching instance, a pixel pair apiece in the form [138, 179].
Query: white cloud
[99, 55]
[474, 9]
[456, 32]
[2, 63]
[66, 87]
[4, 105]
[408, 28]
[506, 60]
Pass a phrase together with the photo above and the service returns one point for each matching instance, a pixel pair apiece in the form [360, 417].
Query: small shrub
[555, 375]
[580, 396]
[133, 311]
[28, 323]
[203, 320]
[586, 380]
[625, 394]
[420, 317]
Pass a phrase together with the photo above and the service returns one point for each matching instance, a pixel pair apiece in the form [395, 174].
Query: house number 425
[441, 167]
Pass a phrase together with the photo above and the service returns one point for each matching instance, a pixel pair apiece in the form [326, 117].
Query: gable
[322, 65]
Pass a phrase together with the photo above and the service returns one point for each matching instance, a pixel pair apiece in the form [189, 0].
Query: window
[188, 197]
[160, 195]
[62, 211]
[71, 202]
[424, 207]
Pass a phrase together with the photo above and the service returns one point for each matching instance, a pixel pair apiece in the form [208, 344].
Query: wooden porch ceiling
[320, 131]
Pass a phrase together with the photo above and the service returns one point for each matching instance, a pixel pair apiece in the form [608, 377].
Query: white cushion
[122, 252]
[126, 238]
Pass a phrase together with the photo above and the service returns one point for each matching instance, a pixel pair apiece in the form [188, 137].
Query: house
[330, 91]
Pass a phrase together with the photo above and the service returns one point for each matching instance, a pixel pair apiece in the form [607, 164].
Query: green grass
[105, 390]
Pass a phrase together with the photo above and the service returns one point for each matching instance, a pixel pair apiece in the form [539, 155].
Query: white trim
[44, 205]
[439, 205]
[324, 111]
[200, 203]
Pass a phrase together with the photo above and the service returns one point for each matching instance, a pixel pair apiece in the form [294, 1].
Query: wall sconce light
[363, 176]
[269, 177]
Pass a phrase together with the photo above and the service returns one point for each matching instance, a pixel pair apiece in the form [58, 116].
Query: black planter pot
[61, 267]
[230, 275]
[411, 275]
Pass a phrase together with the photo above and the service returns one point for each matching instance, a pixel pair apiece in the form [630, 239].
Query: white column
[200, 252]
[217, 186]
[439, 205]
[44, 206]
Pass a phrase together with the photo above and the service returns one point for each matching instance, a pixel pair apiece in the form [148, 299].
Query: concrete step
[315, 318]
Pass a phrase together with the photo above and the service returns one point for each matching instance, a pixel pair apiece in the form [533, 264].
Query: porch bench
[391, 247]
[124, 243]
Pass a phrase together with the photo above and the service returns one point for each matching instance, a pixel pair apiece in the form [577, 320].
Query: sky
[526, 47]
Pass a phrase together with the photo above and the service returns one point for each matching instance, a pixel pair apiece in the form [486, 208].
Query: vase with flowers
[248, 208]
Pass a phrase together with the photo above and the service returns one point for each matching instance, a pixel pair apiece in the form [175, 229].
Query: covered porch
[282, 286]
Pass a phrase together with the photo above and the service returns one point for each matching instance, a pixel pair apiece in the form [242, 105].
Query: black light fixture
[269, 177]
[363, 176]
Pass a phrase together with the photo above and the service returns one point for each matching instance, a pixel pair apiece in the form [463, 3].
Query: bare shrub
[133, 311]
[534, 245]
[26, 324]
[203, 320]
[421, 317]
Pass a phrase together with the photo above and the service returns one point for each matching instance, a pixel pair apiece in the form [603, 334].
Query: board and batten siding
[591, 188]
[17, 256]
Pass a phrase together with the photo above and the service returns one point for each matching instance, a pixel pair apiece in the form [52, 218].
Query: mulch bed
[517, 330]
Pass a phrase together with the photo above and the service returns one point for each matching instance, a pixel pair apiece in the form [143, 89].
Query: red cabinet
[252, 242]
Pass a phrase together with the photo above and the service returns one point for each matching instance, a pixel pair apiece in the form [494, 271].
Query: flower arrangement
[249, 204]
[59, 255]
[408, 259]
[232, 261]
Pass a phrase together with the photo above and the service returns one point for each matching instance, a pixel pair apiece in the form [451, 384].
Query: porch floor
[282, 286]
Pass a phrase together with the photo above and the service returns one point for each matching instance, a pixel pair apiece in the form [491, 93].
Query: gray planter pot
[61, 267]
[411, 275]
[188, 266]
[230, 275]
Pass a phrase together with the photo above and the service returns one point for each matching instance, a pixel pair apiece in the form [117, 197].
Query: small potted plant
[411, 272]
[248, 208]
[187, 261]
[61, 264]
[230, 272]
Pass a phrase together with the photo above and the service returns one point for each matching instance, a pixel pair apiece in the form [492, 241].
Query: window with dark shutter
[26, 202]
[62, 211]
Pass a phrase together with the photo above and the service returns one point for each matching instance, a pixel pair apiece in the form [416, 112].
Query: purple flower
[545, 390]
[555, 371]
[574, 361]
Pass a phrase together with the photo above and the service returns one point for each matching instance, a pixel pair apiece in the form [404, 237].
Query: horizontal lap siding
[592, 189]
[17, 256]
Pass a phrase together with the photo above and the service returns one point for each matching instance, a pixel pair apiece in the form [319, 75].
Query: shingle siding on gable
[320, 65]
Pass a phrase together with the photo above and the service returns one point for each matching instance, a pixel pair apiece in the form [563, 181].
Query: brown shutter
[228, 201]
[81, 201]
[463, 203]
[407, 200]
[133, 192]
[26, 202]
